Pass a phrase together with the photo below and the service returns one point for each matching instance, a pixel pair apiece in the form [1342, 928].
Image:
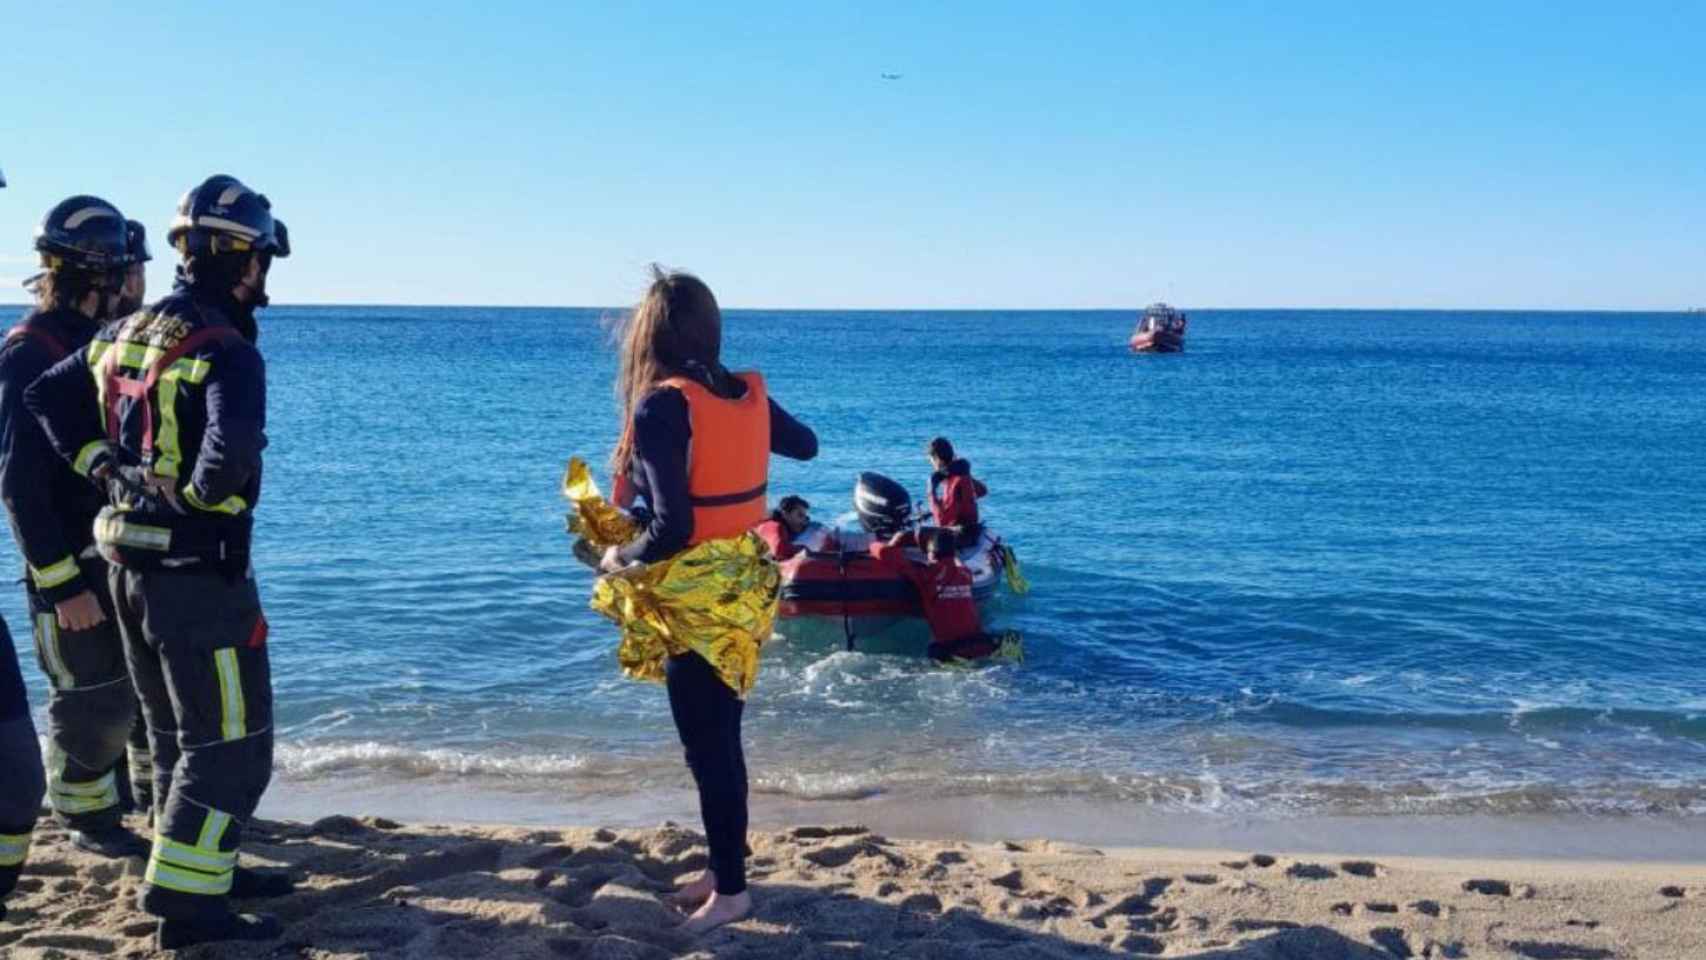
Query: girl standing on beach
[696, 442]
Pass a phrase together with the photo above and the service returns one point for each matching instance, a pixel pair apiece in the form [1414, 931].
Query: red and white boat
[1161, 329]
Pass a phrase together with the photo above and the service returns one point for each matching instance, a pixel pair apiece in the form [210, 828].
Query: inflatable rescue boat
[835, 595]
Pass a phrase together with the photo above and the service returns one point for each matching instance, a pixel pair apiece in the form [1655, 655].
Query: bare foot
[697, 891]
[720, 909]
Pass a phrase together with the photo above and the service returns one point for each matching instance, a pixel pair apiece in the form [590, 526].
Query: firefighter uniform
[91, 707]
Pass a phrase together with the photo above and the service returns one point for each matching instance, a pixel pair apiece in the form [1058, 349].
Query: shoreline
[373, 887]
[1536, 837]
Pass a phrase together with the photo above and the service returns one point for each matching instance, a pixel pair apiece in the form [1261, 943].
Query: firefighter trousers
[21, 781]
[196, 640]
[91, 708]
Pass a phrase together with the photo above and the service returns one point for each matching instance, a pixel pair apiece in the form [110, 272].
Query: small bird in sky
[891, 76]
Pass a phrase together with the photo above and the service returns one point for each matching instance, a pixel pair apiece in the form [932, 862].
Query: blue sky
[1031, 155]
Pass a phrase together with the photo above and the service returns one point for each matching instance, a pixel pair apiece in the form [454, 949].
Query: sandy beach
[373, 887]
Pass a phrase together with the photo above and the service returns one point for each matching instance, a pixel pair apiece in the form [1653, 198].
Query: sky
[1059, 155]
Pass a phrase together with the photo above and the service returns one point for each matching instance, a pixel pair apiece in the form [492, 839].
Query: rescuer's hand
[81, 612]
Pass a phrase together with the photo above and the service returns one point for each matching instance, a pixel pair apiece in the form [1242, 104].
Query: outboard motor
[883, 506]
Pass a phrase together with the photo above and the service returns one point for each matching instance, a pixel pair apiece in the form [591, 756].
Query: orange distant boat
[1161, 329]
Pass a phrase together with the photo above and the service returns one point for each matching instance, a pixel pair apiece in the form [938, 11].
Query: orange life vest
[728, 459]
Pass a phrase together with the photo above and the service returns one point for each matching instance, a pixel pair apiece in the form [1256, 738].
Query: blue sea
[1322, 563]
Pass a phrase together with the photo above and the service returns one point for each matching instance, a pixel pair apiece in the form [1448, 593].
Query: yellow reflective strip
[87, 455]
[76, 798]
[113, 528]
[233, 504]
[187, 881]
[169, 851]
[167, 455]
[47, 641]
[13, 848]
[187, 370]
[99, 787]
[213, 831]
[142, 356]
[55, 574]
[232, 711]
[96, 349]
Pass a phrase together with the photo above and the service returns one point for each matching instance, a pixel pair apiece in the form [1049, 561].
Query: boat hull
[1162, 342]
[846, 600]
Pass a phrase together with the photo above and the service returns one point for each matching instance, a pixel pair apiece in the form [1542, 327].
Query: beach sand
[372, 887]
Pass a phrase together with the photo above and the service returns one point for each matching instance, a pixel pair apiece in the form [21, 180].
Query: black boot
[112, 842]
[250, 884]
[176, 932]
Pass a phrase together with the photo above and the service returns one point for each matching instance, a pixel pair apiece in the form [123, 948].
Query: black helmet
[83, 233]
[221, 215]
[136, 242]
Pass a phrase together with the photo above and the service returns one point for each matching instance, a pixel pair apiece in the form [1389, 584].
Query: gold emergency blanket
[716, 599]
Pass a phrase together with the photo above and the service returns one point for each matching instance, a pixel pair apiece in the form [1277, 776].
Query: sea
[1324, 563]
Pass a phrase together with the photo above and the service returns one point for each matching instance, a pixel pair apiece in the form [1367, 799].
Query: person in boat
[787, 525]
[944, 587]
[954, 492]
[696, 444]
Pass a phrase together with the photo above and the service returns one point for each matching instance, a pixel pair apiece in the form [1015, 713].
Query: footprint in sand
[1205, 879]
[1429, 908]
[1363, 868]
[1538, 950]
[1263, 860]
[1310, 871]
[1673, 892]
[1490, 888]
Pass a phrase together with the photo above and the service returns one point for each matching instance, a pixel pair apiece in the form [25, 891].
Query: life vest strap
[140, 390]
[730, 499]
[54, 346]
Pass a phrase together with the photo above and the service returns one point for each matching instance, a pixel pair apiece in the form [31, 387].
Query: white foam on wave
[315, 761]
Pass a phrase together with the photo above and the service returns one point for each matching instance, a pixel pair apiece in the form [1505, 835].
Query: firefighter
[168, 409]
[91, 706]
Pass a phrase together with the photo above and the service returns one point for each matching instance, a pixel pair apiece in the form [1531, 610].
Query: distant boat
[1161, 329]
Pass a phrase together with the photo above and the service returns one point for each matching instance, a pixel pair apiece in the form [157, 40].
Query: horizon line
[1120, 309]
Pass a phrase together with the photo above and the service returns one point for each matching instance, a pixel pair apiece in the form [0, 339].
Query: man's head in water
[795, 514]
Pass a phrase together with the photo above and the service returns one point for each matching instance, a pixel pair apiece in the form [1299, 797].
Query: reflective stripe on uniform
[232, 505]
[78, 798]
[114, 528]
[232, 710]
[13, 848]
[86, 456]
[201, 869]
[141, 356]
[167, 454]
[213, 831]
[47, 644]
[54, 574]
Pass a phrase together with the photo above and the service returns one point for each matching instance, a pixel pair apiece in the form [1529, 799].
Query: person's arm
[661, 436]
[892, 556]
[29, 468]
[978, 488]
[231, 445]
[789, 437]
[773, 533]
[65, 407]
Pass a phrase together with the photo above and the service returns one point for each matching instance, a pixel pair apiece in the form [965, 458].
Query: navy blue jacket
[212, 445]
[659, 470]
[51, 509]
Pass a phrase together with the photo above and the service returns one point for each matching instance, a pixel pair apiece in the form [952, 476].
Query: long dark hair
[675, 326]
